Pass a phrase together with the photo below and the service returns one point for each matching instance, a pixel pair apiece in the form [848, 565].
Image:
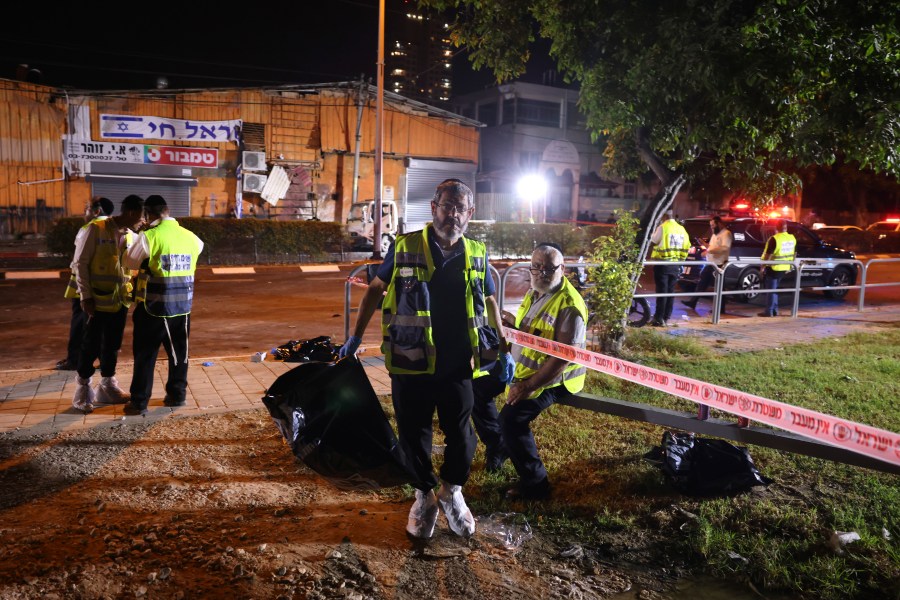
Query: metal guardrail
[716, 294]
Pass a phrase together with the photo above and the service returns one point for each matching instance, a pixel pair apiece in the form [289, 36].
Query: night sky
[102, 45]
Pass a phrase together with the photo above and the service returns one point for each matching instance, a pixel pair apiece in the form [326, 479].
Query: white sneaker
[109, 392]
[422, 515]
[84, 396]
[459, 517]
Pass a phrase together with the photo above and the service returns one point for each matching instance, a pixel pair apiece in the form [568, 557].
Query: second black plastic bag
[331, 417]
[702, 467]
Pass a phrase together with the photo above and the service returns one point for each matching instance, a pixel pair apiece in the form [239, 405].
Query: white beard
[542, 286]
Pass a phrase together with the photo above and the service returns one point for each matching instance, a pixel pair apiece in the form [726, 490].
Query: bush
[61, 237]
[519, 239]
[233, 240]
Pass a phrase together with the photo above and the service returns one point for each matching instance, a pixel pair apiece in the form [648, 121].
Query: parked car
[836, 228]
[750, 236]
[882, 228]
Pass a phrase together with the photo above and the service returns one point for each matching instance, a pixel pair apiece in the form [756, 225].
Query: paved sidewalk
[39, 401]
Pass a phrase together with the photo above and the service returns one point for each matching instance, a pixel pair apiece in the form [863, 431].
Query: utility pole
[379, 136]
[359, 114]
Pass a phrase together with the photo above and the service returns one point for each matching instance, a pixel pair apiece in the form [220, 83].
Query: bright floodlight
[531, 187]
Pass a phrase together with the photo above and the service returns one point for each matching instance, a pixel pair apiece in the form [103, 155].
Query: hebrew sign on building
[160, 128]
[142, 154]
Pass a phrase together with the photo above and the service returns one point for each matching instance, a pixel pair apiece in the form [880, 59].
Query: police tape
[863, 439]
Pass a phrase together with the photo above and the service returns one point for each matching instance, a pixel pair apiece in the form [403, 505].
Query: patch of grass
[601, 483]
[777, 538]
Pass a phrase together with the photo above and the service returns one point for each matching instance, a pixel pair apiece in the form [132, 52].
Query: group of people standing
[140, 257]
[671, 244]
[445, 351]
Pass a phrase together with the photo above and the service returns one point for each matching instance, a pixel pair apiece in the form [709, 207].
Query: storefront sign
[142, 154]
[136, 127]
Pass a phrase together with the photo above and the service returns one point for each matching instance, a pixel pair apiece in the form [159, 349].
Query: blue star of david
[122, 126]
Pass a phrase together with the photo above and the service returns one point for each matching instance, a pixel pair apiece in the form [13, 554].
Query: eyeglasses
[457, 209]
[544, 272]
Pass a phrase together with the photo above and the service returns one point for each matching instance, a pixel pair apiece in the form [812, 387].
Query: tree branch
[650, 158]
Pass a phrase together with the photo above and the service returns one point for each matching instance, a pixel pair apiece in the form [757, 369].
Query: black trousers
[515, 420]
[76, 332]
[415, 399]
[665, 277]
[706, 278]
[102, 339]
[485, 416]
[149, 333]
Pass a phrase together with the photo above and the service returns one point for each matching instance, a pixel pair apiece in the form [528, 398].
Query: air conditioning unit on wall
[254, 161]
[254, 182]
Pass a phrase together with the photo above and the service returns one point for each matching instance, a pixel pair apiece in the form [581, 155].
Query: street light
[531, 187]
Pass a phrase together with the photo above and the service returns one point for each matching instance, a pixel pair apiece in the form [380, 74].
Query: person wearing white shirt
[166, 254]
[717, 252]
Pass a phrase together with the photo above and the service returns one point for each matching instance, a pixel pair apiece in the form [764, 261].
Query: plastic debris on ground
[702, 467]
[258, 357]
[315, 349]
[330, 416]
[511, 530]
[839, 539]
[208, 363]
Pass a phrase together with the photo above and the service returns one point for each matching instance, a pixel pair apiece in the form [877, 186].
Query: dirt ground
[215, 507]
[218, 507]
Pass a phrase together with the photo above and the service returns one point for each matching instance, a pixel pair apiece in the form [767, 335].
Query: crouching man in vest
[104, 286]
[552, 309]
[439, 298]
[166, 254]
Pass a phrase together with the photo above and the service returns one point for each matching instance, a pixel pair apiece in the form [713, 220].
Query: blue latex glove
[350, 346]
[509, 367]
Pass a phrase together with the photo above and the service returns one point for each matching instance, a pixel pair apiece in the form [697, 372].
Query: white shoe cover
[84, 396]
[423, 515]
[459, 517]
[109, 392]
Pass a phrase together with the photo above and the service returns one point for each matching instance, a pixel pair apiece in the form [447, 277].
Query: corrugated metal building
[210, 152]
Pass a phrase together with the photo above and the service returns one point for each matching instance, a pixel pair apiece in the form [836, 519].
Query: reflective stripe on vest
[785, 248]
[673, 244]
[110, 281]
[407, 334]
[173, 260]
[542, 325]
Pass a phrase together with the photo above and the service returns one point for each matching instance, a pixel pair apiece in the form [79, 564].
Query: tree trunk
[671, 182]
[612, 344]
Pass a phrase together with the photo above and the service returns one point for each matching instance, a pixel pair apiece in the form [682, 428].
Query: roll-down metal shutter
[116, 183]
[422, 177]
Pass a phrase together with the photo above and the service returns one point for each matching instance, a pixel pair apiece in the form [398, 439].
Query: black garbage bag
[702, 467]
[331, 417]
[315, 349]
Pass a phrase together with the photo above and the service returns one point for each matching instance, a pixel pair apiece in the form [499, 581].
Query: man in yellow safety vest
[670, 243]
[104, 286]
[438, 304]
[166, 255]
[98, 210]
[781, 246]
[552, 309]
